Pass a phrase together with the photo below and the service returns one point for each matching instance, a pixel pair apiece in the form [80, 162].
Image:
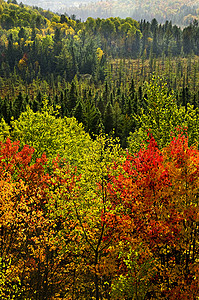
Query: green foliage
[86, 204]
[162, 117]
[4, 130]
[135, 283]
[48, 133]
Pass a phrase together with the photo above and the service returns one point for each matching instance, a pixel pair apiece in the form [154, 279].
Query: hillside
[99, 157]
[86, 67]
[54, 5]
[180, 12]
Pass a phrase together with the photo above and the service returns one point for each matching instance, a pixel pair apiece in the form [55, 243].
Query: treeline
[92, 70]
[38, 43]
[111, 107]
[181, 13]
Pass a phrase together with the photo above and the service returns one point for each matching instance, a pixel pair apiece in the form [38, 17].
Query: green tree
[107, 28]
[162, 117]
[72, 97]
[87, 205]
[78, 112]
[50, 134]
[7, 21]
[91, 116]
[19, 105]
[108, 118]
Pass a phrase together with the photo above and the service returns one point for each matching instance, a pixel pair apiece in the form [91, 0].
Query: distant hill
[180, 12]
[56, 5]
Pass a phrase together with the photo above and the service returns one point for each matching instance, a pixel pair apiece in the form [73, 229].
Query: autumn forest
[99, 157]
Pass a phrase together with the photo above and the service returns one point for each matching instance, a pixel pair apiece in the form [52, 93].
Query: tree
[108, 118]
[107, 28]
[87, 205]
[4, 130]
[78, 112]
[154, 213]
[187, 39]
[72, 97]
[32, 264]
[19, 105]
[91, 116]
[162, 117]
[7, 21]
[51, 134]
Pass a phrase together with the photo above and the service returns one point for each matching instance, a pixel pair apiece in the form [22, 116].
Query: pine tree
[72, 97]
[108, 118]
[19, 105]
[78, 112]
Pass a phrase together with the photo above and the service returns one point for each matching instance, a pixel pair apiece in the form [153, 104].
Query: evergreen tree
[19, 105]
[78, 112]
[72, 97]
[108, 118]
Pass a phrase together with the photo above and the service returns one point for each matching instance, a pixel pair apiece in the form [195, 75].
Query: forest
[99, 157]
[180, 12]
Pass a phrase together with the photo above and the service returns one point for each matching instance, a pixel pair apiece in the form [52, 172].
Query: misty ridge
[57, 5]
[181, 12]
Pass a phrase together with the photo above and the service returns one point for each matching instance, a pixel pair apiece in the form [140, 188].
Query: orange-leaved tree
[32, 264]
[156, 218]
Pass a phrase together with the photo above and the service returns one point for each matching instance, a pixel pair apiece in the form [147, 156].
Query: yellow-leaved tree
[48, 133]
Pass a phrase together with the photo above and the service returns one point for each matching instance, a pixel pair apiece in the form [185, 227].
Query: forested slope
[96, 221]
[98, 80]
[99, 157]
[180, 12]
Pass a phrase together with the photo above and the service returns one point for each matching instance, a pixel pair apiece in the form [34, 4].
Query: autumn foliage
[31, 264]
[123, 230]
[155, 210]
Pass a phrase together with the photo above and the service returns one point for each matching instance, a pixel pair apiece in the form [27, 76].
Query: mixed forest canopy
[99, 159]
